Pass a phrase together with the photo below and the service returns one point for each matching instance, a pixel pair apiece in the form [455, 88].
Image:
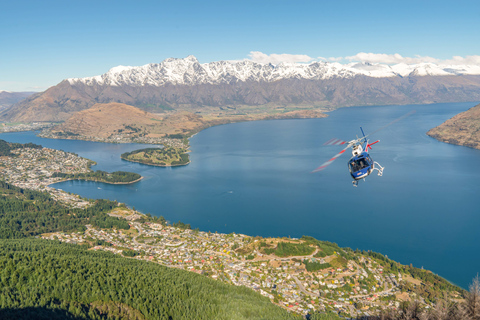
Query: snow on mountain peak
[188, 71]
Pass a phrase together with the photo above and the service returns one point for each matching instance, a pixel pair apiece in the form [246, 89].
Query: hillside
[107, 120]
[118, 122]
[7, 98]
[58, 281]
[70, 282]
[463, 129]
[245, 87]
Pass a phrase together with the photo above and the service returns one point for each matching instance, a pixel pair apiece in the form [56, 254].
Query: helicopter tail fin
[369, 145]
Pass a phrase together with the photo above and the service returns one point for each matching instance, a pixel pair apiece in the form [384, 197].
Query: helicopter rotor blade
[394, 121]
[334, 142]
[326, 164]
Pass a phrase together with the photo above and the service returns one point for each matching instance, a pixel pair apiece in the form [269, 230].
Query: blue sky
[44, 42]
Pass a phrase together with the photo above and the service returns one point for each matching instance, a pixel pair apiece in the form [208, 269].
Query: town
[17, 127]
[120, 138]
[307, 276]
[33, 169]
[361, 287]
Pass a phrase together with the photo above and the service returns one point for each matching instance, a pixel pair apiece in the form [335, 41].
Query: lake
[255, 178]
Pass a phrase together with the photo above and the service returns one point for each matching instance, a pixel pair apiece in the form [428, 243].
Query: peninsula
[117, 177]
[34, 167]
[463, 129]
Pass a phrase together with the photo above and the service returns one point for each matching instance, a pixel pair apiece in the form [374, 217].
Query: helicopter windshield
[358, 164]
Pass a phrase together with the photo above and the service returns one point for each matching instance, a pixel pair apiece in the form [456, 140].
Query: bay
[255, 178]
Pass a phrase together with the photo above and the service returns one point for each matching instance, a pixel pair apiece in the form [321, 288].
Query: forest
[102, 176]
[168, 156]
[436, 283]
[7, 147]
[51, 280]
[44, 279]
[26, 213]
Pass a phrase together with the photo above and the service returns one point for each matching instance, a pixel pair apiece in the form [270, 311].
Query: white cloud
[397, 58]
[389, 58]
[383, 58]
[335, 59]
[274, 58]
[456, 60]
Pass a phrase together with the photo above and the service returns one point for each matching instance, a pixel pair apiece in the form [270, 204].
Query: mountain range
[8, 98]
[238, 87]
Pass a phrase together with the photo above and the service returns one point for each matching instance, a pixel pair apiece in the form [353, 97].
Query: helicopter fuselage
[360, 165]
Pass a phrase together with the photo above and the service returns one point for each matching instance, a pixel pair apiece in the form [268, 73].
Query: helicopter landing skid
[379, 169]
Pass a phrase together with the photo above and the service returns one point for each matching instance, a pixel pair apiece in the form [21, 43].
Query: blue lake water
[255, 178]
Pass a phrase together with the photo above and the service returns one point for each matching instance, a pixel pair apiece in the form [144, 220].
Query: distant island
[463, 129]
[163, 157]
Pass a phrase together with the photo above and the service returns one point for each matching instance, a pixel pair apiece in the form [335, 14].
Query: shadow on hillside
[37, 313]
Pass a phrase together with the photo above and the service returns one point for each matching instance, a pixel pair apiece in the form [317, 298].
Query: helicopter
[360, 164]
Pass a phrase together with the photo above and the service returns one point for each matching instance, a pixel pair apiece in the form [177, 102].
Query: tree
[472, 300]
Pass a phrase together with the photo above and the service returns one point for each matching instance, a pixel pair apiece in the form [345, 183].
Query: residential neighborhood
[33, 169]
[17, 127]
[120, 138]
[361, 287]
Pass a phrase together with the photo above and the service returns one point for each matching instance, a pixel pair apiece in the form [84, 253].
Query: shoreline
[157, 165]
[70, 179]
[308, 113]
[118, 182]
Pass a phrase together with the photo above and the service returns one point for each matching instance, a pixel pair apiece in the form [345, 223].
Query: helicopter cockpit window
[353, 166]
[358, 165]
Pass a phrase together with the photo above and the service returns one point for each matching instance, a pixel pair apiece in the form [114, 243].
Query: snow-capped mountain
[230, 86]
[189, 71]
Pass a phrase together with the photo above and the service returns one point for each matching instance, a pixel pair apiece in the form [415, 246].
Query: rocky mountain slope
[8, 98]
[235, 87]
[463, 129]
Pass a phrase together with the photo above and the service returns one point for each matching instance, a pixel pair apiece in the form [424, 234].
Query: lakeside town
[120, 137]
[33, 168]
[17, 127]
[314, 277]
[360, 287]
